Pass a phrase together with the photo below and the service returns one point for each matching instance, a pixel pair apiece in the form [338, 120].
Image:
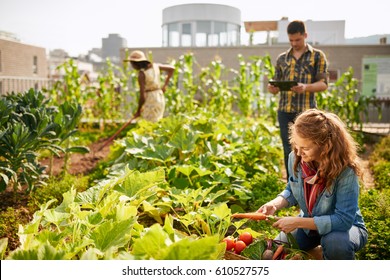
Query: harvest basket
[232, 256]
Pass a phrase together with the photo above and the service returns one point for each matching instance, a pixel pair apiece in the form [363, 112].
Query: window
[213, 40]
[203, 29]
[220, 29]
[233, 34]
[173, 35]
[186, 35]
[165, 36]
[35, 65]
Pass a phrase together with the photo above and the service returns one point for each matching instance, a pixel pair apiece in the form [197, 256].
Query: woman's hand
[286, 224]
[164, 88]
[267, 209]
[137, 114]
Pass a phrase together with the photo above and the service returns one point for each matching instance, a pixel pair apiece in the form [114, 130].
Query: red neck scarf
[312, 185]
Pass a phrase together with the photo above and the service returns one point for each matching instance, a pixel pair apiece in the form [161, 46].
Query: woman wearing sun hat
[151, 104]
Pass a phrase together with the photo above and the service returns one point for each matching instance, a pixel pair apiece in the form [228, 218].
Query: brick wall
[17, 69]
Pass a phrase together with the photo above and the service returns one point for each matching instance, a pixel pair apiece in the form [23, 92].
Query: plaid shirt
[311, 67]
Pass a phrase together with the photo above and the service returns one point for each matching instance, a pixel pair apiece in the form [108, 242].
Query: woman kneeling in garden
[325, 185]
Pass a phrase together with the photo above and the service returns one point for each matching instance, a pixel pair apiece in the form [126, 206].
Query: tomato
[240, 245]
[230, 243]
[246, 237]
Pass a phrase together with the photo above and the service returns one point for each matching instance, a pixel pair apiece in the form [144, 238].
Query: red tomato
[246, 237]
[240, 245]
[230, 243]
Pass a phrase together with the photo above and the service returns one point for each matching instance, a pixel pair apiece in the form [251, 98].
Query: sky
[77, 26]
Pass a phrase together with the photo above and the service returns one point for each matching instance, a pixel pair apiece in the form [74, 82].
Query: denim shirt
[336, 209]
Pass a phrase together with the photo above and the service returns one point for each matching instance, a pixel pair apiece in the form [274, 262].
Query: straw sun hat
[137, 56]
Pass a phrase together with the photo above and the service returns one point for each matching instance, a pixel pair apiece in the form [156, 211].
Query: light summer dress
[154, 106]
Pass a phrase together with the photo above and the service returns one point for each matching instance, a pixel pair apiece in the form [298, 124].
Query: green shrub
[381, 173]
[10, 219]
[375, 207]
[265, 187]
[381, 151]
[55, 188]
[379, 162]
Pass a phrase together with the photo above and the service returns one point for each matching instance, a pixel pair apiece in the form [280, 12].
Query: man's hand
[300, 88]
[272, 89]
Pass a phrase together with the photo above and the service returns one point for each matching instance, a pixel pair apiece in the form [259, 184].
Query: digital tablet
[283, 85]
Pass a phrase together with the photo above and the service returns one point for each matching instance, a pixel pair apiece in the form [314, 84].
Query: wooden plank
[260, 26]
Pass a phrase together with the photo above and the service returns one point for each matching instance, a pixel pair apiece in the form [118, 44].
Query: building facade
[111, 46]
[22, 67]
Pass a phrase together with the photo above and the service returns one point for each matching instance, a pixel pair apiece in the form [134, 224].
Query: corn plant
[216, 93]
[71, 87]
[114, 99]
[343, 97]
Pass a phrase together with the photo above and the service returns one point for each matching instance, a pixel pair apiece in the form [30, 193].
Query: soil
[80, 164]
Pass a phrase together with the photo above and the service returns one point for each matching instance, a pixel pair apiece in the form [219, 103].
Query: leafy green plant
[67, 120]
[30, 127]
[26, 130]
[101, 223]
[165, 243]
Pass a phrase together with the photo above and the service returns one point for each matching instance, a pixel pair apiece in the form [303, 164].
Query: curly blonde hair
[338, 148]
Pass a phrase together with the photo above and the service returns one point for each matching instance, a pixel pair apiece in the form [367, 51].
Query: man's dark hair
[296, 26]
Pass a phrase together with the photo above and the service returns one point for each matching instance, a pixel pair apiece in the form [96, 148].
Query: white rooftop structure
[201, 25]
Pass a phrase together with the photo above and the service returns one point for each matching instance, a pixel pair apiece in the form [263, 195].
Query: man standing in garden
[309, 68]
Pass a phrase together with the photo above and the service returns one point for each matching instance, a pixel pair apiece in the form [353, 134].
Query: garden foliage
[169, 188]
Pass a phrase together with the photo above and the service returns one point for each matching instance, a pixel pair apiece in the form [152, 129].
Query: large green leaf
[48, 252]
[157, 153]
[184, 140]
[112, 234]
[31, 254]
[77, 149]
[137, 181]
[207, 248]
[153, 244]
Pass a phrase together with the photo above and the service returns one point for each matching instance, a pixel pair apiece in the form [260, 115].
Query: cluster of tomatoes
[238, 244]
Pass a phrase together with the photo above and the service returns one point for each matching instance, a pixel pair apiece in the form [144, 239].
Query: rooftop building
[201, 25]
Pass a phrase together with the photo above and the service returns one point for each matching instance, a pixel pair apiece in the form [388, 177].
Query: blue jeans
[336, 245]
[284, 120]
